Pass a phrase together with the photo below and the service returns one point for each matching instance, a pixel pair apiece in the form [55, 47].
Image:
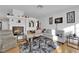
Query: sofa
[48, 33]
[7, 40]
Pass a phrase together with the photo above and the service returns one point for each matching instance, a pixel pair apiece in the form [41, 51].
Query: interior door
[0, 25]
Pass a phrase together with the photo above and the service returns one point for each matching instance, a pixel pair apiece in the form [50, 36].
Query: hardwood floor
[63, 48]
[16, 49]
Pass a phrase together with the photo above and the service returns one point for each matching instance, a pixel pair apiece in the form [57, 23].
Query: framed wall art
[50, 20]
[71, 17]
[59, 20]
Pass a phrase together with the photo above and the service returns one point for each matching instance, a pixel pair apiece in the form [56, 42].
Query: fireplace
[18, 30]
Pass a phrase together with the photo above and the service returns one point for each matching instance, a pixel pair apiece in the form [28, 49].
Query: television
[59, 20]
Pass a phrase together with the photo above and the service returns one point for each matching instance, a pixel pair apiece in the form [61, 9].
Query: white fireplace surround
[24, 22]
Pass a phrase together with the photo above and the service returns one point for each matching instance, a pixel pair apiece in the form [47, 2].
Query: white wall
[45, 20]
[5, 25]
[3, 17]
[13, 12]
[17, 12]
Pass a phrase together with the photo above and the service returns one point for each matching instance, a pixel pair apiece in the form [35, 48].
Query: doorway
[0, 25]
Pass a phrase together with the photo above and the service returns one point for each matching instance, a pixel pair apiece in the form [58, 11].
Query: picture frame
[58, 20]
[50, 20]
[71, 17]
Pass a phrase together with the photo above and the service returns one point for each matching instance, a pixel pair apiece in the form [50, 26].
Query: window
[69, 29]
[77, 29]
[53, 32]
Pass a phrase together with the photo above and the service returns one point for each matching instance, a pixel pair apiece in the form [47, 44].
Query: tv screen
[59, 20]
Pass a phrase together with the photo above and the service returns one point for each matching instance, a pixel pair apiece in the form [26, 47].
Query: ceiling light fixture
[40, 6]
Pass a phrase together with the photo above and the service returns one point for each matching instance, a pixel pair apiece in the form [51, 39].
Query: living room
[39, 29]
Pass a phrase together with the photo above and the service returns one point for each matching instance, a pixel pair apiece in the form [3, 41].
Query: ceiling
[32, 10]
